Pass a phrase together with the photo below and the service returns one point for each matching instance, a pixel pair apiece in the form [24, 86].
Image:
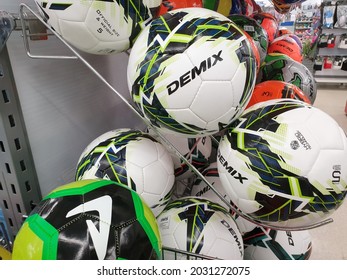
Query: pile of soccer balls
[236, 162]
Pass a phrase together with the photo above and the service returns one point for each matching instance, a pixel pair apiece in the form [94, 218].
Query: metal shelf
[334, 80]
[335, 76]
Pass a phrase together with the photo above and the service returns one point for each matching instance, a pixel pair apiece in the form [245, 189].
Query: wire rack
[26, 17]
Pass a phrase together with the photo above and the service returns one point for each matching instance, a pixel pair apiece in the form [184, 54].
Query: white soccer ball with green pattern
[132, 158]
[99, 27]
[269, 244]
[199, 226]
[284, 163]
[191, 71]
[201, 189]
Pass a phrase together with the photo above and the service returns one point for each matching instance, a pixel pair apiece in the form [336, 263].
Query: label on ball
[194, 72]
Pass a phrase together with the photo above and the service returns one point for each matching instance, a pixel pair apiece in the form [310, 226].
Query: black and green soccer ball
[89, 220]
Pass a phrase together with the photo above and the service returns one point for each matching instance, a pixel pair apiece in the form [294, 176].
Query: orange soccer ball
[284, 31]
[288, 46]
[269, 23]
[169, 5]
[272, 89]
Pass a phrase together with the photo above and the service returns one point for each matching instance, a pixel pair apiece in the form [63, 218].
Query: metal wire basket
[176, 254]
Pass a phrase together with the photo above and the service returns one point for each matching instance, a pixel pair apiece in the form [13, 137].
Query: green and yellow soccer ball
[89, 220]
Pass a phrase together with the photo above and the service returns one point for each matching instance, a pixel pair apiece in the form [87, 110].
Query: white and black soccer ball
[269, 244]
[191, 71]
[201, 227]
[284, 163]
[132, 158]
[99, 27]
[288, 70]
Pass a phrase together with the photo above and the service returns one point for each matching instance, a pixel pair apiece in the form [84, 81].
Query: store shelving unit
[302, 27]
[331, 75]
[19, 187]
[304, 24]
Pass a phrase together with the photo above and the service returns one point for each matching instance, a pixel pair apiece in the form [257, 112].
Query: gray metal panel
[19, 184]
[65, 106]
[12, 6]
[61, 106]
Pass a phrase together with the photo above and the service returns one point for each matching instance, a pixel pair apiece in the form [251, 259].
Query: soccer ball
[89, 220]
[169, 5]
[254, 50]
[269, 23]
[248, 7]
[132, 158]
[290, 35]
[282, 8]
[255, 30]
[196, 150]
[237, 7]
[283, 31]
[286, 45]
[276, 90]
[223, 7]
[191, 72]
[284, 163]
[201, 227]
[274, 56]
[287, 1]
[99, 27]
[288, 70]
[268, 244]
[201, 189]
